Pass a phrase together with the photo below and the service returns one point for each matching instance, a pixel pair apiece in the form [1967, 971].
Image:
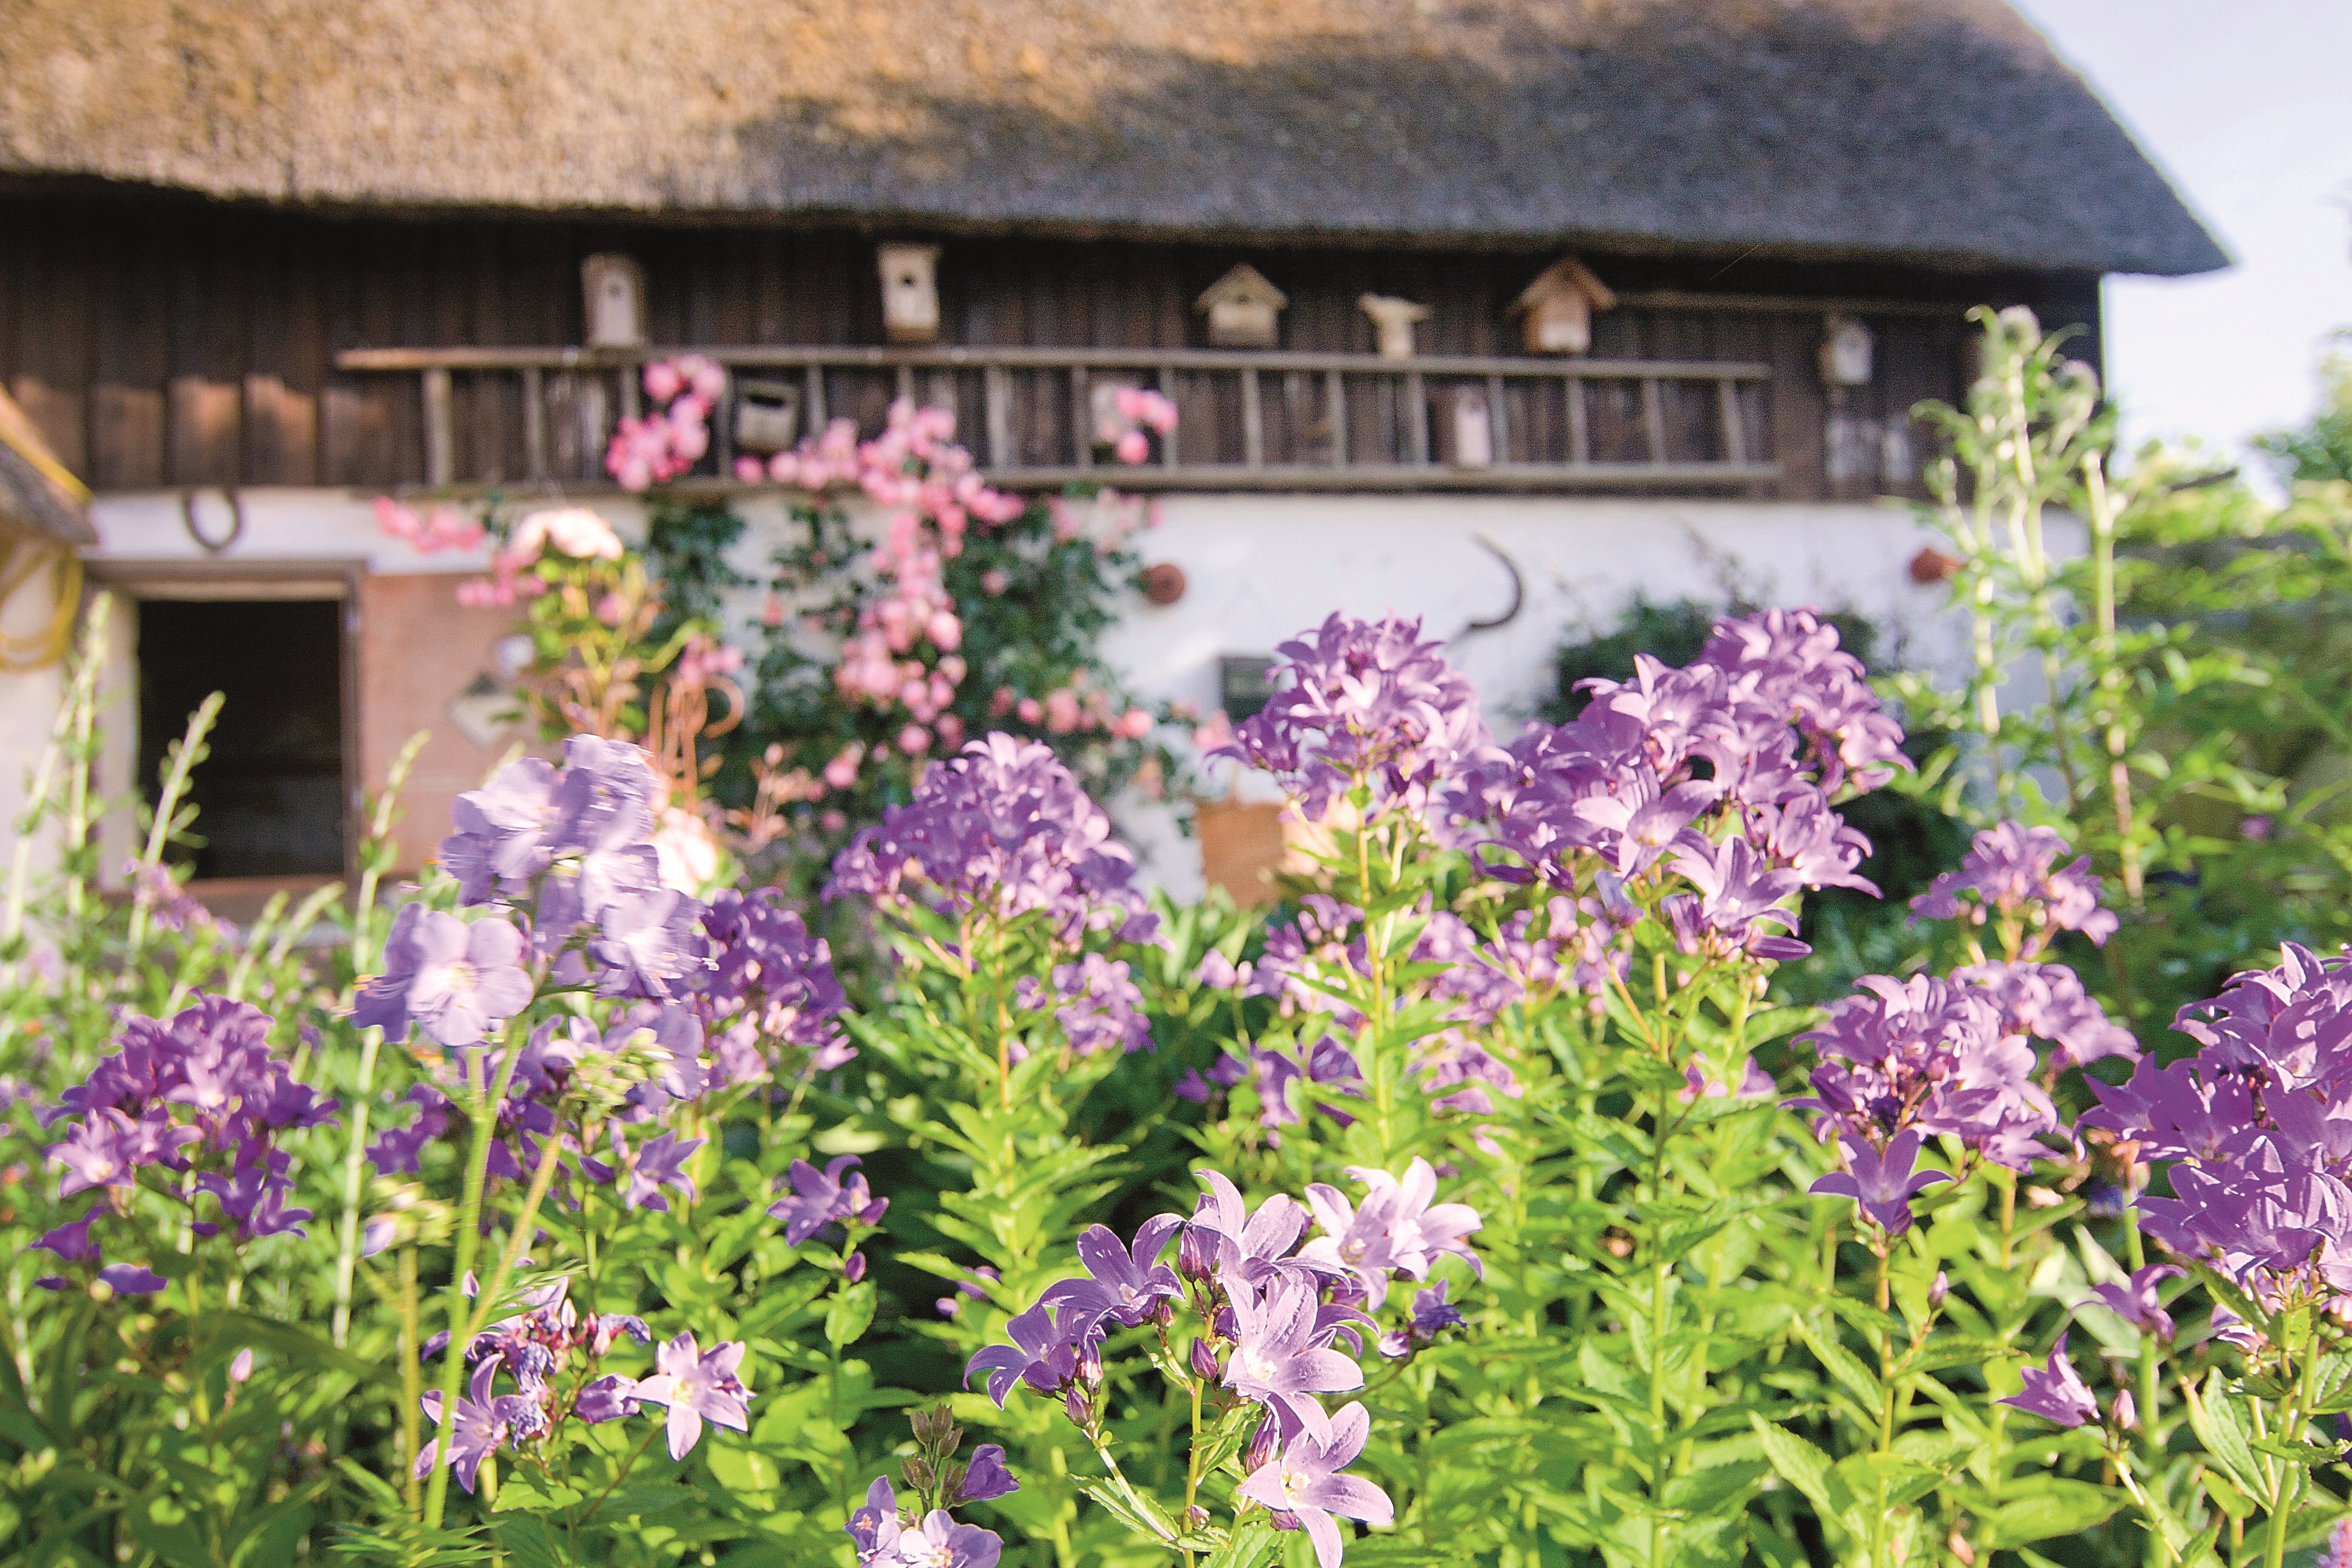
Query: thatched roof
[1940, 130]
[37, 495]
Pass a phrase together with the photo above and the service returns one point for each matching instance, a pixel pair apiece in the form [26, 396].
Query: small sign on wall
[485, 712]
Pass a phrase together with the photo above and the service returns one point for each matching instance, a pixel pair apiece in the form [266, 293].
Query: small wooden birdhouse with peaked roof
[1243, 309]
[1393, 323]
[1559, 305]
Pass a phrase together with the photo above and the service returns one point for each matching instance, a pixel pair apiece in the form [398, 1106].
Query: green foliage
[2173, 698]
[1032, 599]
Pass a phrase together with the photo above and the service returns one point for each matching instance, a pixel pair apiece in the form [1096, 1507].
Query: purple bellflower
[1227, 1240]
[484, 1422]
[1303, 1482]
[1881, 1184]
[1363, 702]
[2136, 1301]
[2011, 872]
[940, 1542]
[1128, 1283]
[1396, 1230]
[454, 981]
[696, 1388]
[986, 1479]
[2054, 1390]
[1044, 1352]
[1004, 828]
[1281, 1356]
[821, 1198]
[660, 1162]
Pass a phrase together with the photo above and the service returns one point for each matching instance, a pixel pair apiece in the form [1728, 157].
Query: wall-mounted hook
[196, 529]
[1518, 589]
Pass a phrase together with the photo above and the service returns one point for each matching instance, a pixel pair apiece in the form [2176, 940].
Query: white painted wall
[29, 699]
[1260, 569]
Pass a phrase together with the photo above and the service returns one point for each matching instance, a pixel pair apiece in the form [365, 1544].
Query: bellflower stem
[483, 1111]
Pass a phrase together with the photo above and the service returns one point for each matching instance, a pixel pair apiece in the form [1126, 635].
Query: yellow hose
[21, 561]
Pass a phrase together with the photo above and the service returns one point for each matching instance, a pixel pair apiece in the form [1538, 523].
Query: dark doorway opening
[270, 799]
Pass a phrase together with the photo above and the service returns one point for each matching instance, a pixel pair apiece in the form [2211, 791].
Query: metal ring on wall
[195, 530]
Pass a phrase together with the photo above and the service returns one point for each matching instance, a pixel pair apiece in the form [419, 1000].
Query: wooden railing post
[1167, 377]
[534, 423]
[996, 397]
[440, 437]
[1253, 421]
[1735, 437]
[1654, 418]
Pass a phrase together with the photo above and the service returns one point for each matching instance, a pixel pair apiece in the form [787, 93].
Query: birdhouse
[1393, 323]
[1845, 353]
[1242, 308]
[1558, 308]
[910, 292]
[613, 293]
[766, 414]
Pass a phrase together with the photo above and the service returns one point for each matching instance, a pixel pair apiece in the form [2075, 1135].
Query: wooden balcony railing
[1249, 420]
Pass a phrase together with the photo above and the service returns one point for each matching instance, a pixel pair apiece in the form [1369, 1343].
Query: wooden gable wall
[167, 342]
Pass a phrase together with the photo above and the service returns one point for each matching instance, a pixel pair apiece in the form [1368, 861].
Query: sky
[2247, 104]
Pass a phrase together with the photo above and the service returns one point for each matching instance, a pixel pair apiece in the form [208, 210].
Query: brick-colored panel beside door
[418, 651]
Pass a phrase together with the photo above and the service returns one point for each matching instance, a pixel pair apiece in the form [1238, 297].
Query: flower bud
[1938, 1289]
[918, 1472]
[1263, 1444]
[1196, 1518]
[1204, 1359]
[1077, 1405]
[852, 1267]
[1196, 1253]
[2125, 1413]
[929, 1426]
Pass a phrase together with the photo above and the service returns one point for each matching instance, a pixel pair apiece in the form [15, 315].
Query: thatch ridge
[1942, 129]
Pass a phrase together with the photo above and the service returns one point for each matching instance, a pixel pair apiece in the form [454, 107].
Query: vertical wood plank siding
[159, 341]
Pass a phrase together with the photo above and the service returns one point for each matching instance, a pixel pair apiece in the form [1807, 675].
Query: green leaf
[2213, 1414]
[1799, 1464]
[161, 1526]
[1842, 1364]
[2067, 1508]
[1251, 1544]
[528, 1542]
[1118, 1507]
[850, 1313]
[645, 1499]
[520, 1496]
